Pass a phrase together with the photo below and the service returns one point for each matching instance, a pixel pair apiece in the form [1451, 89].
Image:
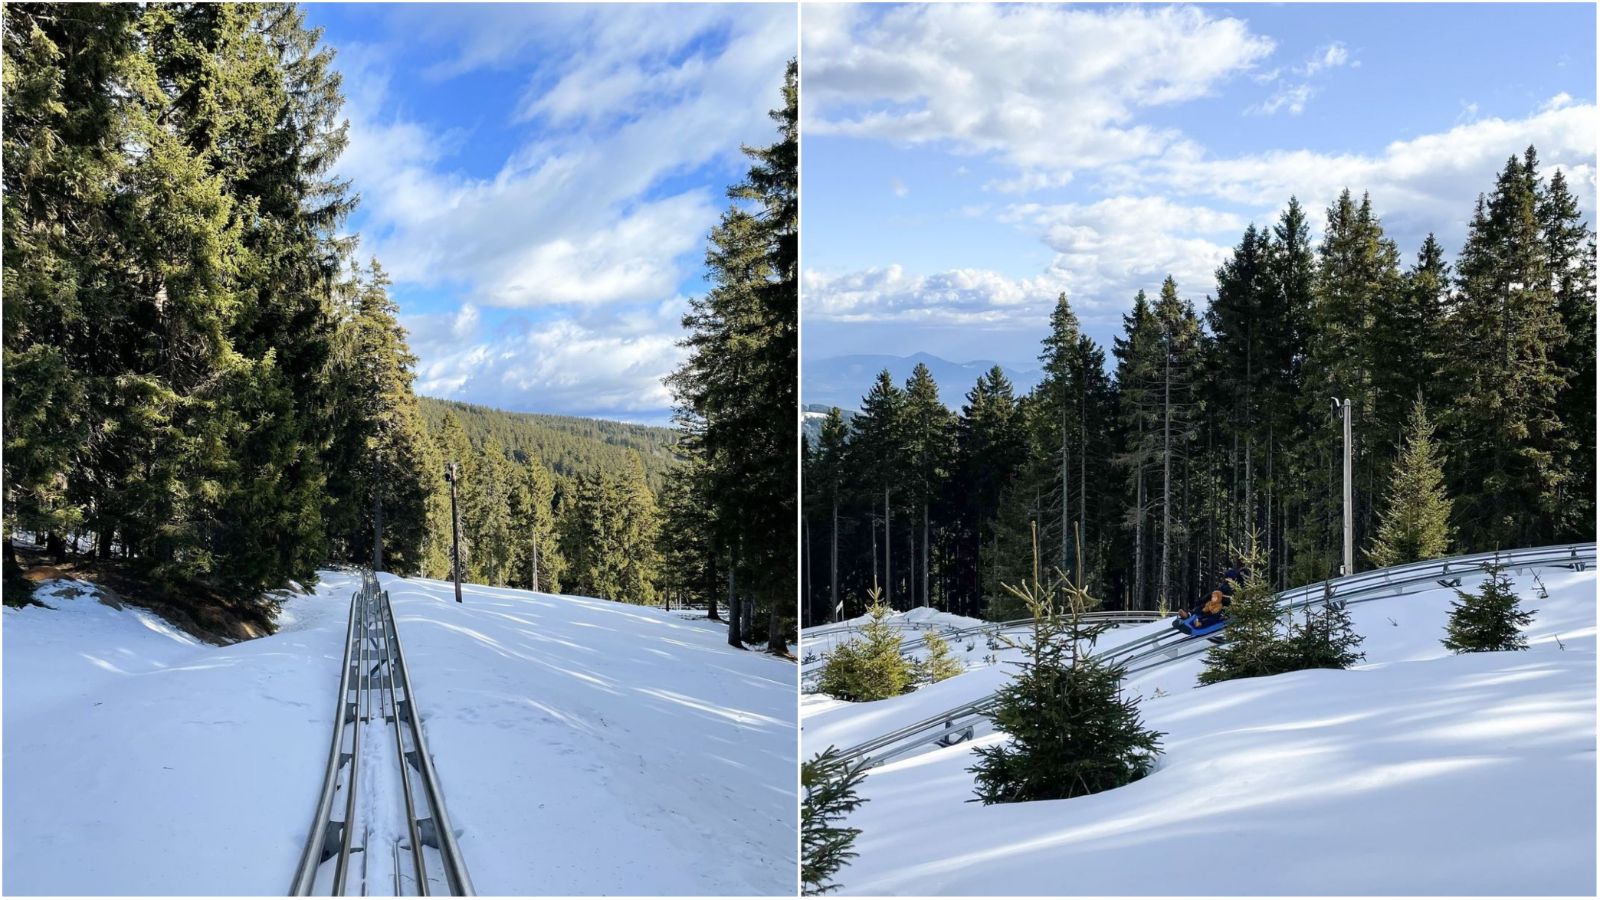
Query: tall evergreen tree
[1508, 442]
[1416, 519]
[738, 385]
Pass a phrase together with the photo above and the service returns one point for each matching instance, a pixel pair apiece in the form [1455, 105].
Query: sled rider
[1211, 611]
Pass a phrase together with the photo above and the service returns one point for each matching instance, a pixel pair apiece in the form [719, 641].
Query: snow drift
[1418, 772]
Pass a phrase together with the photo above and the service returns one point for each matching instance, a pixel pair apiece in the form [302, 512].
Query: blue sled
[1190, 625]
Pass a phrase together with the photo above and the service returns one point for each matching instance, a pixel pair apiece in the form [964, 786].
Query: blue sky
[538, 180]
[963, 165]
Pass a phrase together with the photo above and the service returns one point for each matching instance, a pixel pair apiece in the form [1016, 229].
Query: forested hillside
[1471, 384]
[208, 394]
[567, 445]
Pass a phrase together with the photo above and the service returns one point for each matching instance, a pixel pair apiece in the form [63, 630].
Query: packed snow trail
[584, 746]
[1417, 772]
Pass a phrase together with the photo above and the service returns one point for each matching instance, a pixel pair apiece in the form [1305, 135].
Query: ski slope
[1418, 772]
[583, 746]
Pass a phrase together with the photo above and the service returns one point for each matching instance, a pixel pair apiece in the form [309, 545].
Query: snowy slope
[1417, 772]
[583, 746]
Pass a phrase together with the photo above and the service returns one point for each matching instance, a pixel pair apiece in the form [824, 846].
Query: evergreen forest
[1210, 419]
[207, 386]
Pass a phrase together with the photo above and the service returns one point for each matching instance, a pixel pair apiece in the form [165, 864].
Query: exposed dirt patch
[196, 609]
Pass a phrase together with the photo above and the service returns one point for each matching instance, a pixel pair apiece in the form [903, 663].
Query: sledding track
[1163, 648]
[364, 786]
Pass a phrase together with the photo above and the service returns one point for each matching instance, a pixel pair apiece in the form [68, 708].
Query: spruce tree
[1491, 619]
[869, 667]
[737, 391]
[1321, 637]
[1253, 645]
[1504, 428]
[830, 783]
[1415, 524]
[937, 662]
[1071, 731]
[990, 449]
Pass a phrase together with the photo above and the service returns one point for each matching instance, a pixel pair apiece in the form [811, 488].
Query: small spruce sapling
[1254, 646]
[1323, 638]
[1071, 730]
[830, 783]
[869, 667]
[939, 662]
[1491, 619]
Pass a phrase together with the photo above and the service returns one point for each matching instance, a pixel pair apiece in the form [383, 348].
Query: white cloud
[586, 219]
[1047, 88]
[1422, 184]
[1332, 56]
[1290, 98]
[611, 365]
[568, 218]
[1105, 252]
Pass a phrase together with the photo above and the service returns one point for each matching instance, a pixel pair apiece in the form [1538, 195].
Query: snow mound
[1418, 772]
[583, 746]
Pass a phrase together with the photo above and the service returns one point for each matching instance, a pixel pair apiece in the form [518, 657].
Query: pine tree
[1491, 619]
[535, 537]
[1570, 253]
[937, 662]
[927, 434]
[879, 459]
[1504, 429]
[830, 464]
[1254, 646]
[737, 391]
[1071, 730]
[990, 449]
[869, 667]
[1416, 518]
[1323, 637]
[830, 783]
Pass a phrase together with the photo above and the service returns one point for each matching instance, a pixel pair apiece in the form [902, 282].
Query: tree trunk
[833, 563]
[1066, 560]
[927, 598]
[734, 612]
[711, 594]
[377, 533]
[775, 641]
[1166, 482]
[888, 555]
[1138, 534]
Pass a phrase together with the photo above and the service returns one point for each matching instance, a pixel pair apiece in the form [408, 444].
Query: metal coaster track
[1163, 648]
[375, 691]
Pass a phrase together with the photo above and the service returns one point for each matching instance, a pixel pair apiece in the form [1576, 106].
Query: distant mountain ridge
[843, 380]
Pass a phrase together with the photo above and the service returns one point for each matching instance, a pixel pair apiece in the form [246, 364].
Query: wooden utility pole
[452, 475]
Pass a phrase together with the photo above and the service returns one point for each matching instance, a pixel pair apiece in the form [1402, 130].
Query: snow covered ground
[1419, 772]
[583, 746]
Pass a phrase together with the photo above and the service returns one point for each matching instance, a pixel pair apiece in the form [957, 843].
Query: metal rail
[375, 682]
[813, 666]
[1167, 647]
